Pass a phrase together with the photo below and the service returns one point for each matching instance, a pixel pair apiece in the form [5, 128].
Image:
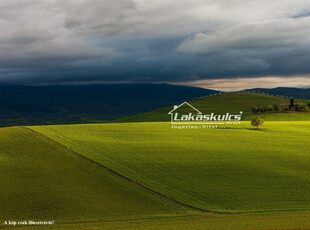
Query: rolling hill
[148, 175]
[229, 102]
[43, 180]
[230, 170]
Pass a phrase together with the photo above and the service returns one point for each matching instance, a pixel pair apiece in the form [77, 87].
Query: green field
[223, 170]
[232, 103]
[42, 180]
[148, 175]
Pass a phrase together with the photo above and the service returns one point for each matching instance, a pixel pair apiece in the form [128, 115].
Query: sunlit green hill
[147, 174]
[232, 103]
[150, 176]
[224, 170]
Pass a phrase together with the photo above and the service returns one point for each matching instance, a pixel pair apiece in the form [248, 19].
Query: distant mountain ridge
[24, 105]
[285, 91]
[35, 105]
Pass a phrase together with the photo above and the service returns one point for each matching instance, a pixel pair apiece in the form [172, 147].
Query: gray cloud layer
[152, 41]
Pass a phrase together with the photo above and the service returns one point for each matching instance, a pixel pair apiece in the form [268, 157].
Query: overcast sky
[210, 43]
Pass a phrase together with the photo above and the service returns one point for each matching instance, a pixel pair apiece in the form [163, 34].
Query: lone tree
[298, 107]
[276, 107]
[292, 104]
[268, 108]
[257, 121]
[255, 109]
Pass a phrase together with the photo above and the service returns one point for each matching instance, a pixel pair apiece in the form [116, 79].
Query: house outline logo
[184, 103]
[173, 112]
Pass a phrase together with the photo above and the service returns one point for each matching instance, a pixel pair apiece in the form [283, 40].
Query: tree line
[292, 106]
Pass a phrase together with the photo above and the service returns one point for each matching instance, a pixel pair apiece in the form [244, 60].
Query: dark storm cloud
[55, 41]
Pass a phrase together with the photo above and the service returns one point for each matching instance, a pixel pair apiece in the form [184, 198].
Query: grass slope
[226, 170]
[232, 103]
[42, 180]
